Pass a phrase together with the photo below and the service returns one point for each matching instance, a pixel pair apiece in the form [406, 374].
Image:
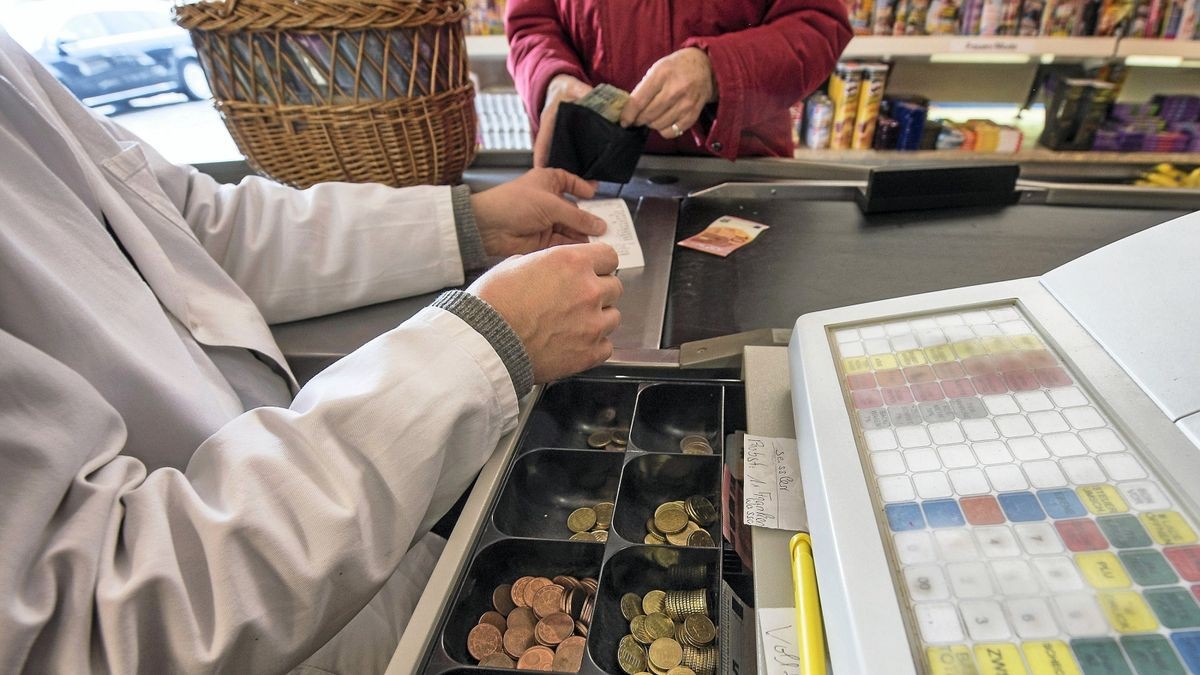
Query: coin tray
[553, 472]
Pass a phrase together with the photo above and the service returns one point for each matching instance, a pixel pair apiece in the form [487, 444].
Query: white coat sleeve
[331, 247]
[285, 523]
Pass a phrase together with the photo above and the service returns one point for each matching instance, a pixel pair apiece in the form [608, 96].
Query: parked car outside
[109, 54]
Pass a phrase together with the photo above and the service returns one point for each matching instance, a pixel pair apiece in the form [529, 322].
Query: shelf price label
[987, 45]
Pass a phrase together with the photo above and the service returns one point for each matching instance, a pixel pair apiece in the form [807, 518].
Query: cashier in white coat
[170, 499]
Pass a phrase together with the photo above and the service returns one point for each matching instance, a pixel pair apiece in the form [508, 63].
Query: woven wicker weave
[356, 90]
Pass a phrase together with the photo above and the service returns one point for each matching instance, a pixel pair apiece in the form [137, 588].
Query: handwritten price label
[772, 495]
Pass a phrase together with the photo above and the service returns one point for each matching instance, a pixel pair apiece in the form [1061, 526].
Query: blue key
[1021, 507]
[943, 513]
[1188, 645]
[905, 516]
[1062, 503]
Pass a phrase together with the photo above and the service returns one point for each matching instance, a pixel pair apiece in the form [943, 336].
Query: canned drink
[819, 121]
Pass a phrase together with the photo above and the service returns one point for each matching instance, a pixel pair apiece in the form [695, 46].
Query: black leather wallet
[593, 148]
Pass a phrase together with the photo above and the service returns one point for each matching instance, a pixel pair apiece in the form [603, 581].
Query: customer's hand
[560, 302]
[672, 93]
[530, 213]
[562, 88]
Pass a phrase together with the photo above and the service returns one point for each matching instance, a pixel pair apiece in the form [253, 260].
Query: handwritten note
[620, 233]
[773, 496]
[779, 641]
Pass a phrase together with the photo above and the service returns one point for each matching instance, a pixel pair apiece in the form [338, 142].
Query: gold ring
[676, 129]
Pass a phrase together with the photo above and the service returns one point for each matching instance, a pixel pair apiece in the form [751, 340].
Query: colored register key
[1185, 559]
[1081, 535]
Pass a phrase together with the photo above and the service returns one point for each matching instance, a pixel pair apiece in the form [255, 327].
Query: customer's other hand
[562, 88]
[672, 93]
[560, 302]
[530, 213]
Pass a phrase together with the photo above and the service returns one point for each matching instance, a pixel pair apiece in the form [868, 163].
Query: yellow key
[1127, 612]
[1168, 527]
[1027, 342]
[856, 364]
[1102, 499]
[1050, 656]
[940, 354]
[1000, 658]
[884, 362]
[952, 660]
[968, 348]
[912, 357]
[998, 344]
[1103, 570]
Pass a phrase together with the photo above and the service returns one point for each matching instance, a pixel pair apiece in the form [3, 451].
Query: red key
[1081, 535]
[982, 510]
[949, 370]
[1053, 377]
[897, 396]
[919, 374]
[889, 378]
[1039, 358]
[1021, 380]
[928, 391]
[1009, 362]
[979, 365]
[861, 381]
[867, 398]
[958, 388]
[1186, 560]
[990, 384]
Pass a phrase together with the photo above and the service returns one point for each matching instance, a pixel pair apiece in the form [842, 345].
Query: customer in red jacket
[750, 59]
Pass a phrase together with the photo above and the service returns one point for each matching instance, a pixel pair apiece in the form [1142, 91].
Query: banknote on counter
[607, 100]
[725, 235]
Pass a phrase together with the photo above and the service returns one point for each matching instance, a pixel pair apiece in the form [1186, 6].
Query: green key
[1152, 655]
[1175, 607]
[1148, 567]
[1100, 656]
[1124, 531]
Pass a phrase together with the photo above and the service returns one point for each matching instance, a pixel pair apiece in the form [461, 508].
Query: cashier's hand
[530, 213]
[672, 93]
[562, 87]
[560, 302]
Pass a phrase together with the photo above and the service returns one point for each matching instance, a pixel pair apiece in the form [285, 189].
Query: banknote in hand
[606, 100]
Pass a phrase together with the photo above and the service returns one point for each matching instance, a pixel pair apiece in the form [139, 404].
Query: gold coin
[599, 439]
[659, 625]
[581, 520]
[631, 606]
[600, 536]
[582, 536]
[620, 437]
[681, 670]
[604, 514]
[653, 539]
[630, 656]
[665, 653]
[652, 528]
[637, 626]
[700, 538]
[652, 602]
[692, 438]
[670, 518]
[701, 448]
[700, 629]
[701, 510]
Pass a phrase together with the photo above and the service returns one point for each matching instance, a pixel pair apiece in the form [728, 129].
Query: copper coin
[578, 600]
[581, 628]
[495, 619]
[518, 591]
[537, 658]
[535, 584]
[498, 660]
[547, 600]
[522, 617]
[502, 599]
[483, 639]
[517, 641]
[566, 582]
[555, 628]
[569, 655]
[591, 585]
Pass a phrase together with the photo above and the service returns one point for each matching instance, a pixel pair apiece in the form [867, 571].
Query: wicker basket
[354, 90]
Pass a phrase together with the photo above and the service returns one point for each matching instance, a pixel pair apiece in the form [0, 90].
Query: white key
[970, 579]
[1006, 477]
[992, 452]
[956, 456]
[1084, 417]
[932, 485]
[926, 582]
[938, 622]
[1048, 422]
[1059, 573]
[898, 328]
[986, 330]
[1015, 577]
[1122, 466]
[1013, 426]
[1144, 496]
[1102, 440]
[949, 320]
[888, 463]
[922, 459]
[852, 349]
[872, 332]
[958, 333]
[846, 335]
[1038, 538]
[1016, 327]
[1029, 448]
[956, 545]
[914, 547]
[924, 323]
[896, 489]
[985, 620]
[1083, 470]
[1003, 314]
[945, 433]
[976, 317]
[878, 346]
[968, 482]
[1065, 444]
[997, 542]
[1033, 401]
[913, 437]
[1045, 474]
[905, 343]
[880, 439]
[1068, 397]
[980, 429]
[931, 337]
[1032, 619]
[1080, 615]
[1001, 404]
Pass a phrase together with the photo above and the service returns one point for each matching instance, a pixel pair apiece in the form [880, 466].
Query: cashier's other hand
[530, 213]
[562, 87]
[561, 302]
[673, 92]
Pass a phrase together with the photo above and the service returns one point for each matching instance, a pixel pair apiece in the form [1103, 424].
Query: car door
[146, 42]
[79, 57]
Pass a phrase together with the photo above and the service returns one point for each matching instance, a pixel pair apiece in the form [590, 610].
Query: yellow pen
[809, 627]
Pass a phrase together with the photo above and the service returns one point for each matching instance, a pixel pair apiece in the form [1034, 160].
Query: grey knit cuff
[487, 322]
[470, 244]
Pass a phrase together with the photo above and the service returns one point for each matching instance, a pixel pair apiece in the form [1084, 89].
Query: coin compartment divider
[545, 485]
[498, 557]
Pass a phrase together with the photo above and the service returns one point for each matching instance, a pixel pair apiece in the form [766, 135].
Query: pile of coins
[535, 624]
[670, 633]
[615, 439]
[682, 523]
[591, 523]
[695, 445]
